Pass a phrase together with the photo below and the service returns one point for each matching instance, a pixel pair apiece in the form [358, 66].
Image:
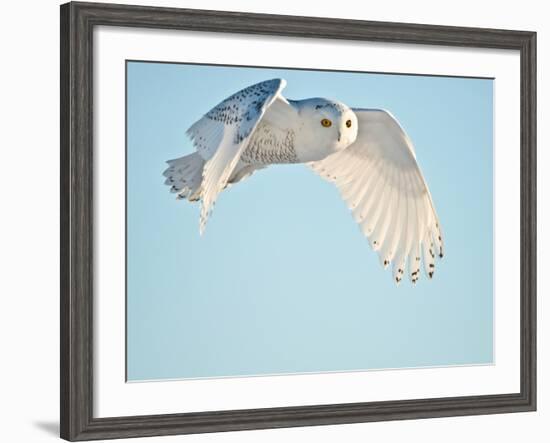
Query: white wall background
[29, 266]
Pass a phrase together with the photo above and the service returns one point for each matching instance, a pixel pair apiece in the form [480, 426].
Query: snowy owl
[364, 152]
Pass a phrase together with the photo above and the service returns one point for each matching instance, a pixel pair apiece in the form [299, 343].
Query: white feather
[385, 189]
[224, 132]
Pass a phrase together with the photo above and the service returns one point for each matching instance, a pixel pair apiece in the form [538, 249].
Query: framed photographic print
[372, 255]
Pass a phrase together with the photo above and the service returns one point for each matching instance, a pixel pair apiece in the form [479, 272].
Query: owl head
[331, 126]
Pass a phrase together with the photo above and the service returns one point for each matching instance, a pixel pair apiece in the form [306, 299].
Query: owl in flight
[364, 152]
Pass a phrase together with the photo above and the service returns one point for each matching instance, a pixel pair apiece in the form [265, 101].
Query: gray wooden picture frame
[77, 23]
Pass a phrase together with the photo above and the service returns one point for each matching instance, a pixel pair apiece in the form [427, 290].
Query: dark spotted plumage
[268, 146]
[332, 105]
[232, 111]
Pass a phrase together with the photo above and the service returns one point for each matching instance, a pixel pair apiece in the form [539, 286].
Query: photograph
[266, 222]
[353, 225]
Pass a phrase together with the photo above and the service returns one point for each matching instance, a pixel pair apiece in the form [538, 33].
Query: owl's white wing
[381, 182]
[223, 133]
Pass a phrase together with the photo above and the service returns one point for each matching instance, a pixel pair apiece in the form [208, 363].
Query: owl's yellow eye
[326, 123]
[348, 123]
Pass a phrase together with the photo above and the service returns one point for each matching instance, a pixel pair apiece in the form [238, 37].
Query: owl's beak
[339, 136]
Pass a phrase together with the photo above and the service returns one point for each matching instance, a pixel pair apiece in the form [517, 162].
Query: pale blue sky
[283, 280]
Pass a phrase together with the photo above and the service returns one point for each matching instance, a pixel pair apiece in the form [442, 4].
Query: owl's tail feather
[184, 176]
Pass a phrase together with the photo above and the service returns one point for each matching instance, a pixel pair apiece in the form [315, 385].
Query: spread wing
[223, 133]
[381, 182]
